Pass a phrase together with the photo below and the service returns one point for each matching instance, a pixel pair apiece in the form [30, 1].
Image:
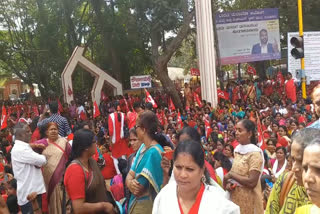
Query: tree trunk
[160, 62]
[107, 38]
[116, 64]
[261, 69]
[167, 84]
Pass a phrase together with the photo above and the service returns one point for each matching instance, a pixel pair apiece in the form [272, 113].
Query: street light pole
[303, 79]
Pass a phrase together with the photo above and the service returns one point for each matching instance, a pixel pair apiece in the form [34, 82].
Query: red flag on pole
[207, 127]
[96, 111]
[179, 121]
[171, 105]
[197, 99]
[127, 105]
[60, 108]
[103, 96]
[223, 95]
[70, 92]
[4, 118]
[149, 99]
[160, 118]
[251, 70]
[260, 134]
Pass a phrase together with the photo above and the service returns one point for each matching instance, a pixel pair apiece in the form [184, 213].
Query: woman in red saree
[57, 151]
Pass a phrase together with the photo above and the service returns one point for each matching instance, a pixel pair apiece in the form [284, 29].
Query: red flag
[197, 99]
[223, 95]
[149, 99]
[160, 118]
[69, 91]
[60, 108]
[96, 111]
[179, 121]
[35, 110]
[171, 105]
[260, 134]
[207, 127]
[103, 96]
[251, 70]
[4, 118]
[127, 105]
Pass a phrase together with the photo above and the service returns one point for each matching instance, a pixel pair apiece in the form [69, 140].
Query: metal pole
[239, 72]
[303, 79]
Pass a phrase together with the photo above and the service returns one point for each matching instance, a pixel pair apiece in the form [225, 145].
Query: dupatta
[147, 165]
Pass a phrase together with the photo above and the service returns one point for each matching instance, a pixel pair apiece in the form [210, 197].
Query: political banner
[311, 42]
[140, 81]
[248, 36]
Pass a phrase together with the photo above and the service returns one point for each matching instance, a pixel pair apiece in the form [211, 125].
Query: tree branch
[177, 41]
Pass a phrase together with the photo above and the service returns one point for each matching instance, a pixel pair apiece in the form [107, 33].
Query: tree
[146, 24]
[186, 56]
[33, 42]
[156, 19]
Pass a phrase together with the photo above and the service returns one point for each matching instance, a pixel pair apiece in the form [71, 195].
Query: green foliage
[186, 56]
[123, 37]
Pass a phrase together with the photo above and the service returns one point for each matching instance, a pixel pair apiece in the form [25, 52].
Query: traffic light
[298, 51]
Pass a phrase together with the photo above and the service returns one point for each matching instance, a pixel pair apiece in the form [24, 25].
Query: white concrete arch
[100, 77]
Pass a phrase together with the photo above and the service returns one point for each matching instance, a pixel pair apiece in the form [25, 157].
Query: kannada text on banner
[248, 36]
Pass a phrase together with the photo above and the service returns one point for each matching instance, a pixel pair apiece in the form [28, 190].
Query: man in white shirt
[264, 47]
[26, 168]
[80, 109]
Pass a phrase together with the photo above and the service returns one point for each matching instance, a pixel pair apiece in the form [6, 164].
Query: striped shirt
[63, 125]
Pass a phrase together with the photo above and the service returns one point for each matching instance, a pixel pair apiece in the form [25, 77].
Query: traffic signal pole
[303, 79]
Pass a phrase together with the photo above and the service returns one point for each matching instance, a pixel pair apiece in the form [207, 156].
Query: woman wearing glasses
[145, 177]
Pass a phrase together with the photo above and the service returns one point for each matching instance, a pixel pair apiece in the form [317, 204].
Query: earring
[203, 179]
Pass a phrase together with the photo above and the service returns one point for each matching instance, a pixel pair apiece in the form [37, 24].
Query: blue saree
[148, 172]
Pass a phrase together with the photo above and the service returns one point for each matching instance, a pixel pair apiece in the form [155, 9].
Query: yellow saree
[308, 209]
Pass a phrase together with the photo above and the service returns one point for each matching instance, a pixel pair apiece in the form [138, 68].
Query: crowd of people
[257, 151]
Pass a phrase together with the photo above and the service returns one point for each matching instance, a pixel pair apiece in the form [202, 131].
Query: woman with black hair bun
[145, 177]
[83, 180]
[242, 181]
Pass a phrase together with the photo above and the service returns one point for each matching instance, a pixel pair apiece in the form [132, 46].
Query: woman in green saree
[145, 177]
